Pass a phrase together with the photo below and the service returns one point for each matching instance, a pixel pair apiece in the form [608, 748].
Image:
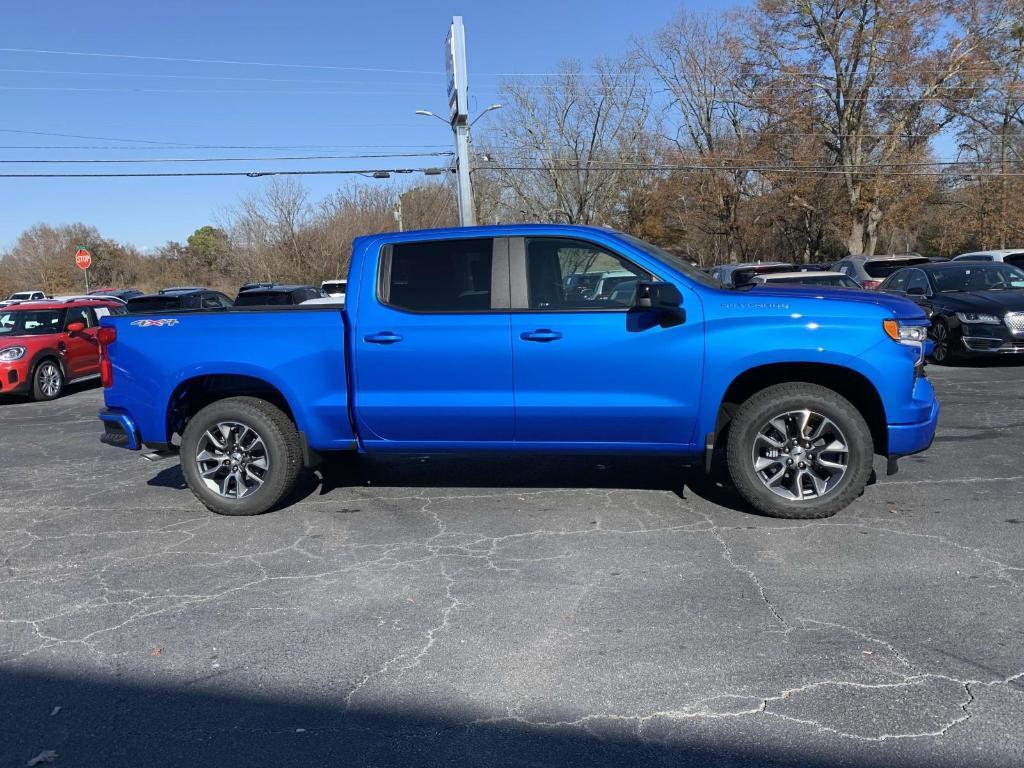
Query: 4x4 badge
[155, 323]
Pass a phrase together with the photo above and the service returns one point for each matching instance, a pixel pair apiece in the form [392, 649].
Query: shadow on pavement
[502, 472]
[110, 722]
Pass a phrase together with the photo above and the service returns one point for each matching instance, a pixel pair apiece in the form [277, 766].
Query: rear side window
[884, 268]
[1016, 259]
[439, 276]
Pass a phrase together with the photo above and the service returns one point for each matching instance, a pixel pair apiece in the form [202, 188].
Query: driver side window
[898, 282]
[565, 274]
[919, 282]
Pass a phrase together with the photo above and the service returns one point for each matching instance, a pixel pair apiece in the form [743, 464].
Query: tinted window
[263, 299]
[441, 276]
[918, 281]
[153, 304]
[1016, 259]
[884, 268]
[974, 257]
[898, 281]
[572, 274]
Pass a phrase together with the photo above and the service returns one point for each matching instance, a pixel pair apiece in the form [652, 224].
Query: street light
[489, 109]
[460, 128]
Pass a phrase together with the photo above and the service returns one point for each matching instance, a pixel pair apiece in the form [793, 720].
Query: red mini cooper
[47, 344]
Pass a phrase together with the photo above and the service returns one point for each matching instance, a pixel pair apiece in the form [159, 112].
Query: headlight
[975, 317]
[10, 354]
[896, 331]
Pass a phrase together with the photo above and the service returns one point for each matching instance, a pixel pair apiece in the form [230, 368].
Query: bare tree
[570, 148]
[872, 72]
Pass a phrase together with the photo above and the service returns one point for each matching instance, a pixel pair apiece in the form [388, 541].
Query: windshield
[832, 281]
[743, 276]
[263, 299]
[29, 322]
[673, 261]
[884, 268]
[977, 277]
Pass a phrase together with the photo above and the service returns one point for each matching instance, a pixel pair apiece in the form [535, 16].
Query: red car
[45, 345]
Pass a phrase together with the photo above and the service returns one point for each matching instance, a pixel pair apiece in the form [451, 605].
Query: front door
[81, 351]
[587, 373]
[433, 364]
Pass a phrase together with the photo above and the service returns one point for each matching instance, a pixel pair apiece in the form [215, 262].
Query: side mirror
[917, 290]
[74, 328]
[661, 298]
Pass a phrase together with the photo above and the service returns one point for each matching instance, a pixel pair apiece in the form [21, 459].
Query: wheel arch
[192, 395]
[851, 384]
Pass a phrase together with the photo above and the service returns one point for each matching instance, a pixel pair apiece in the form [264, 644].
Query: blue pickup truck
[502, 339]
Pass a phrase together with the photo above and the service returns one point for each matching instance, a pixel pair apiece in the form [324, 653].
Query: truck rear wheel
[240, 456]
[799, 451]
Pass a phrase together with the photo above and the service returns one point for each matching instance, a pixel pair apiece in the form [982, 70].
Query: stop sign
[83, 258]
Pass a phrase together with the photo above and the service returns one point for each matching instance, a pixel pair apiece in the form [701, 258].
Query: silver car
[870, 271]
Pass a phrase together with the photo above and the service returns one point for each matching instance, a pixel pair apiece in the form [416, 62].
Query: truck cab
[479, 340]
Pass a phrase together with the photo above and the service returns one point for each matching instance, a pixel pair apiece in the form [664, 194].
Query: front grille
[1015, 321]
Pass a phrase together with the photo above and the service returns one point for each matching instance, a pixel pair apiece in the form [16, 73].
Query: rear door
[587, 374]
[81, 352]
[432, 361]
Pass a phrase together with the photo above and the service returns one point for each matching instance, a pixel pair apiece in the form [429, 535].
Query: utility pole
[458, 104]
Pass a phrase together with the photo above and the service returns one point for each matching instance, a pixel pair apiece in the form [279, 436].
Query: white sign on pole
[455, 68]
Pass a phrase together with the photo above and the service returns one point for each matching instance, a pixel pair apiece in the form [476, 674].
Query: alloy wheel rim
[232, 460]
[800, 455]
[941, 343]
[49, 379]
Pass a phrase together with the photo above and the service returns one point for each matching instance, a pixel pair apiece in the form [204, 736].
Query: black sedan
[976, 308]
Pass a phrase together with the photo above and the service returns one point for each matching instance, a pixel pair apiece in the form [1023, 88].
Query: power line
[225, 146]
[219, 61]
[370, 172]
[229, 159]
[260, 92]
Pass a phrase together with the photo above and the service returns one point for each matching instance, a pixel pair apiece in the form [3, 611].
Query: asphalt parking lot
[525, 612]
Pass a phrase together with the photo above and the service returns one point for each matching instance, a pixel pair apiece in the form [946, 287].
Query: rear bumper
[119, 430]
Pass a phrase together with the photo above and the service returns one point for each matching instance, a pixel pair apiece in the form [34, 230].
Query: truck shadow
[503, 472]
[521, 471]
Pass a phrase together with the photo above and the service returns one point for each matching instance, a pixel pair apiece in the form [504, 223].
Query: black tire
[769, 403]
[282, 449]
[945, 351]
[47, 380]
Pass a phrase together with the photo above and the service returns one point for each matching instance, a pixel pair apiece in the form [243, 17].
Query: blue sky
[144, 108]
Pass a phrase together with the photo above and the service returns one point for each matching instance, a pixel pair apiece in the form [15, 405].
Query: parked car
[1013, 256]
[264, 295]
[976, 308]
[469, 340]
[824, 279]
[179, 298]
[334, 289]
[870, 271]
[49, 343]
[119, 293]
[736, 275]
[23, 296]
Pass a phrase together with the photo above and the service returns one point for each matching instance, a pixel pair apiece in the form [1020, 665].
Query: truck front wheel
[240, 456]
[799, 451]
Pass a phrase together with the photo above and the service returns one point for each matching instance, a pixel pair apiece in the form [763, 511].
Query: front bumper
[905, 439]
[119, 430]
[14, 378]
[990, 345]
